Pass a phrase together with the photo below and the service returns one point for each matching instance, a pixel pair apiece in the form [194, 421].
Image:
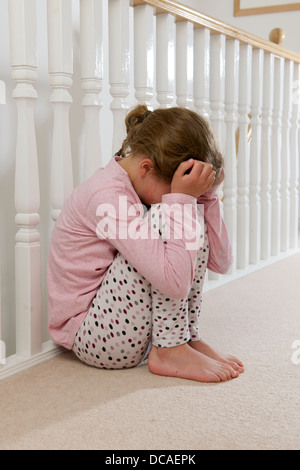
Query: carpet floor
[64, 404]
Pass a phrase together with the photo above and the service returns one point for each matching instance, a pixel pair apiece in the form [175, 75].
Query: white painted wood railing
[162, 54]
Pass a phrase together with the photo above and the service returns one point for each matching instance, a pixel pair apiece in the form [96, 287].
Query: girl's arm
[167, 264]
[220, 251]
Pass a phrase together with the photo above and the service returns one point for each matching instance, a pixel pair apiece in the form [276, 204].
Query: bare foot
[204, 348]
[188, 363]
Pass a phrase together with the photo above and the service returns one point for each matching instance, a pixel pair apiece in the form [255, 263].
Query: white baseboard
[14, 364]
[239, 273]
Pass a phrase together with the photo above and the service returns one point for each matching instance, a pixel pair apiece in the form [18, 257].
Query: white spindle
[202, 71]
[243, 206]
[255, 155]
[276, 155]
[144, 53]
[295, 125]
[286, 156]
[231, 119]
[119, 66]
[165, 59]
[60, 65]
[22, 22]
[184, 63]
[91, 58]
[217, 96]
[266, 152]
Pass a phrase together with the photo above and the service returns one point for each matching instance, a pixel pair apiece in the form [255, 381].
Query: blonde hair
[168, 137]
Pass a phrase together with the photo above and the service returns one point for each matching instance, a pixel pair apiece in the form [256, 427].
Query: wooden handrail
[182, 12]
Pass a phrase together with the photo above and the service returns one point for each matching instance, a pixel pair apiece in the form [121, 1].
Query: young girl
[125, 278]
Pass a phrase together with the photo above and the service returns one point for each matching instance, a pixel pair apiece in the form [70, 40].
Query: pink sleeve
[220, 251]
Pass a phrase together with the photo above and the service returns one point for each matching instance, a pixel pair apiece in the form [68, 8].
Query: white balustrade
[60, 65]
[286, 156]
[165, 60]
[266, 155]
[22, 21]
[276, 155]
[255, 156]
[294, 134]
[231, 119]
[202, 71]
[184, 63]
[91, 54]
[119, 67]
[144, 38]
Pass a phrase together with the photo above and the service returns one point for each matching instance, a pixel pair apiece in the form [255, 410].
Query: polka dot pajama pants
[128, 314]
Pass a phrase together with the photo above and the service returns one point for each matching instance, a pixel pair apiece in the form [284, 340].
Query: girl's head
[168, 137]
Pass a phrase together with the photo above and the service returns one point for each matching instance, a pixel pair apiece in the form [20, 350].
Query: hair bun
[147, 113]
[136, 116]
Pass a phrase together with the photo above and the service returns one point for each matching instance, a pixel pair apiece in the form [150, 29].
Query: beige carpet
[63, 404]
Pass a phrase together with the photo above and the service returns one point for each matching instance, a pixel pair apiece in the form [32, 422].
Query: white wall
[222, 9]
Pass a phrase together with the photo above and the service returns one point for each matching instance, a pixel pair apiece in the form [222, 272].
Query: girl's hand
[199, 179]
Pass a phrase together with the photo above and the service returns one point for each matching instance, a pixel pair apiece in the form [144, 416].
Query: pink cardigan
[79, 258]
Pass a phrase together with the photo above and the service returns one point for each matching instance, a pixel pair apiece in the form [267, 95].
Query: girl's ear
[146, 167]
